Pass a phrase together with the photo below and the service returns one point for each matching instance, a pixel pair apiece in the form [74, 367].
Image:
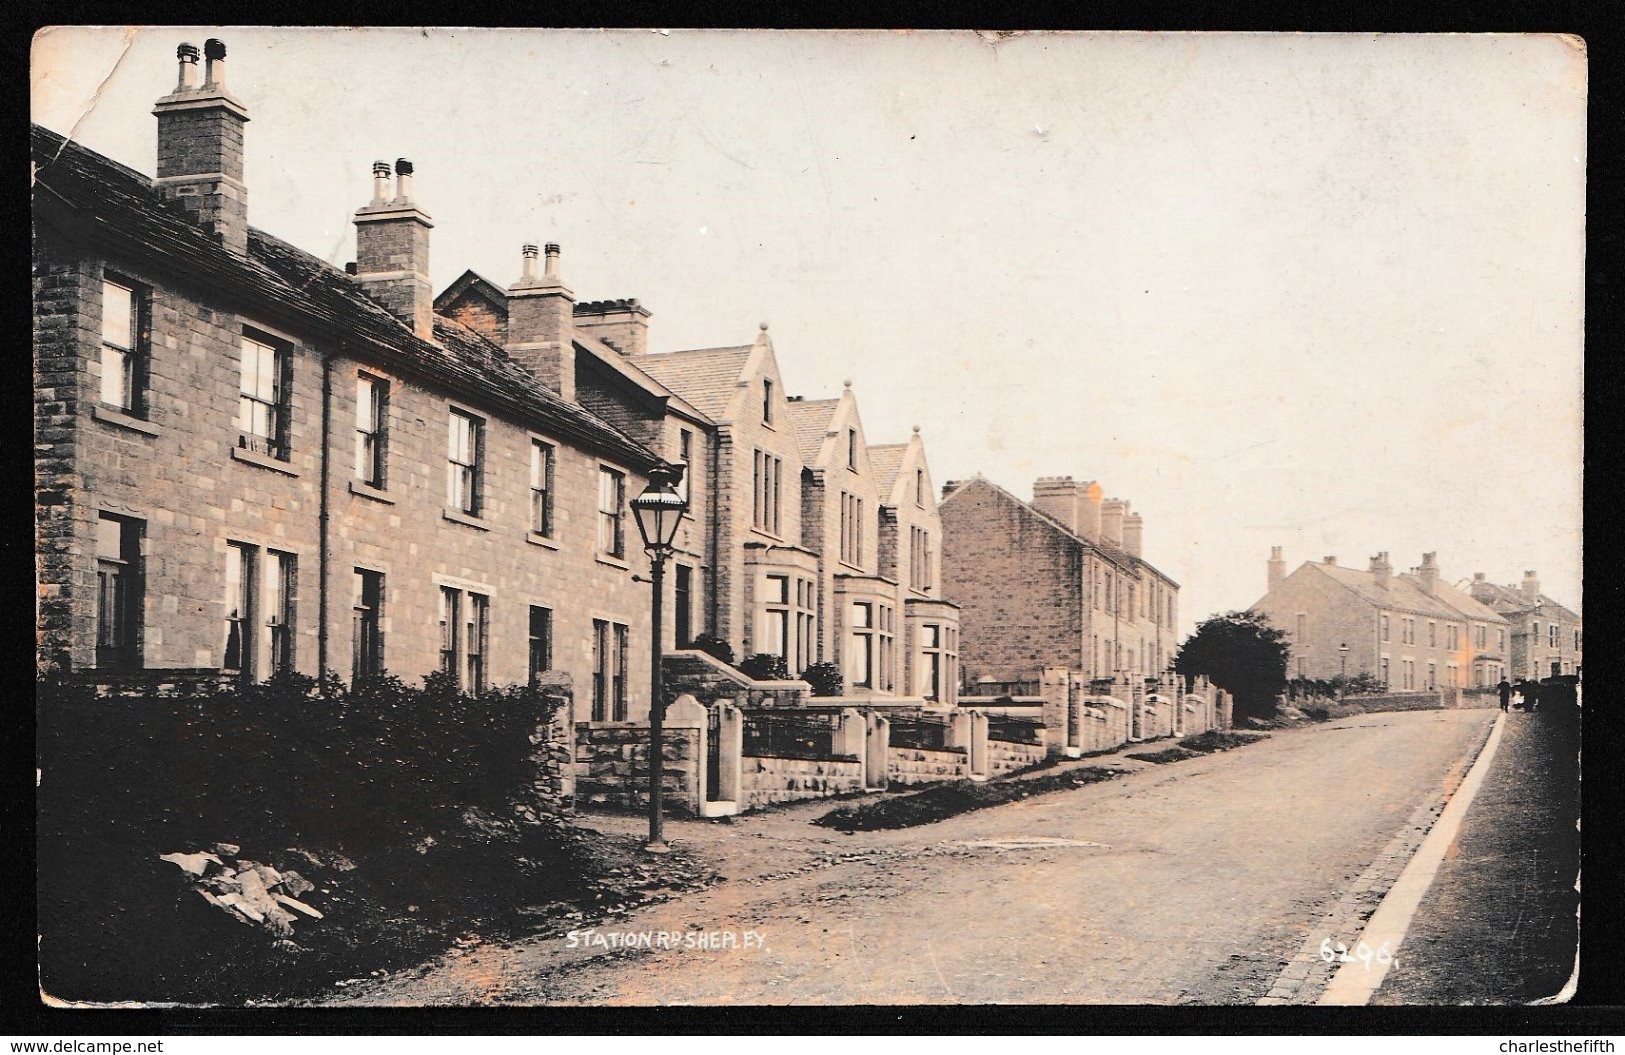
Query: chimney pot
[1329, 559]
[187, 54]
[403, 180]
[349, 269]
[380, 182]
[528, 251]
[551, 249]
[214, 70]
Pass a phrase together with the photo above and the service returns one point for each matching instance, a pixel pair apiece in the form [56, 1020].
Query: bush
[825, 679]
[377, 762]
[765, 666]
[714, 646]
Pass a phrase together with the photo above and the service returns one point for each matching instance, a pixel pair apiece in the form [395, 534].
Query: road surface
[1193, 882]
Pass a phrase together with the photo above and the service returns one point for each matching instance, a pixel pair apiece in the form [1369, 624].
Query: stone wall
[918, 765]
[611, 767]
[767, 780]
[705, 677]
[1004, 756]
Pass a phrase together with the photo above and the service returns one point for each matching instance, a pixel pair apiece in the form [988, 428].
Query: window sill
[124, 421]
[264, 461]
[544, 541]
[613, 561]
[457, 516]
[377, 494]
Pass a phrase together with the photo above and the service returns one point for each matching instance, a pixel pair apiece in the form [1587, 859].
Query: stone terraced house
[1411, 631]
[248, 460]
[1545, 636]
[1055, 583]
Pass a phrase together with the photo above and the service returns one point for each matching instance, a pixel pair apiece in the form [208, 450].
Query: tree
[1242, 654]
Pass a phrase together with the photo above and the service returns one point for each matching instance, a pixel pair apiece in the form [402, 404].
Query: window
[371, 414]
[280, 591]
[541, 488]
[776, 624]
[464, 628]
[239, 650]
[123, 345]
[767, 401]
[609, 648]
[852, 449]
[1303, 667]
[1500, 640]
[1408, 632]
[806, 625]
[685, 458]
[611, 512]
[1432, 675]
[1100, 588]
[1433, 634]
[1303, 623]
[1576, 640]
[1534, 634]
[919, 487]
[683, 606]
[1482, 636]
[1551, 635]
[1385, 672]
[851, 529]
[885, 642]
[1452, 636]
[262, 406]
[1408, 667]
[933, 663]
[1111, 598]
[919, 560]
[861, 664]
[1382, 621]
[541, 642]
[451, 601]
[1170, 611]
[465, 442]
[118, 592]
[766, 500]
[367, 657]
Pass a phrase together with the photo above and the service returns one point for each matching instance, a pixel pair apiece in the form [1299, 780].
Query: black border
[1596, 1006]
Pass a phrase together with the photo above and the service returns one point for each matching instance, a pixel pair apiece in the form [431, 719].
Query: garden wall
[612, 767]
[766, 780]
[1006, 756]
[918, 765]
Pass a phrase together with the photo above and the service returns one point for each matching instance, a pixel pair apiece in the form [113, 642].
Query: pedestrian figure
[1505, 689]
[1532, 697]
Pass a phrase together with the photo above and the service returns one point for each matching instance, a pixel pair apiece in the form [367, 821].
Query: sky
[1322, 292]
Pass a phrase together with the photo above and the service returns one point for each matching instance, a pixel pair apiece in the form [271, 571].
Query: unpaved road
[1190, 882]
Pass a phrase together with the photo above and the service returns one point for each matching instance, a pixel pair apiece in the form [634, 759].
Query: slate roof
[706, 377]
[1461, 602]
[887, 461]
[97, 198]
[1115, 554]
[810, 419]
[1510, 599]
[1401, 593]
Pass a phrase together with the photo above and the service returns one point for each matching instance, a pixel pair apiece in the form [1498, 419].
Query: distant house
[1546, 636]
[1057, 582]
[1410, 631]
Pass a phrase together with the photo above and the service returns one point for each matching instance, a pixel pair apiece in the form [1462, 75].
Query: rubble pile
[252, 893]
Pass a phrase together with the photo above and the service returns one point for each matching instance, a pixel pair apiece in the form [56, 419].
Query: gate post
[1055, 686]
[977, 754]
[876, 743]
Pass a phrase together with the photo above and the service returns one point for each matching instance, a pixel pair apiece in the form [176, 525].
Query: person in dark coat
[1505, 689]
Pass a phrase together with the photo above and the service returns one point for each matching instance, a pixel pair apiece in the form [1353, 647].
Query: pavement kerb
[1307, 975]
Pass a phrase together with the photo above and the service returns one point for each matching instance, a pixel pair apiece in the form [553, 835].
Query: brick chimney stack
[1277, 566]
[1531, 588]
[621, 324]
[1133, 532]
[541, 324]
[392, 249]
[1381, 569]
[1428, 574]
[1112, 512]
[200, 147]
[1057, 498]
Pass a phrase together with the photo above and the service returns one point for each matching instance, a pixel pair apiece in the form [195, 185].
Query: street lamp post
[659, 511]
[1343, 664]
